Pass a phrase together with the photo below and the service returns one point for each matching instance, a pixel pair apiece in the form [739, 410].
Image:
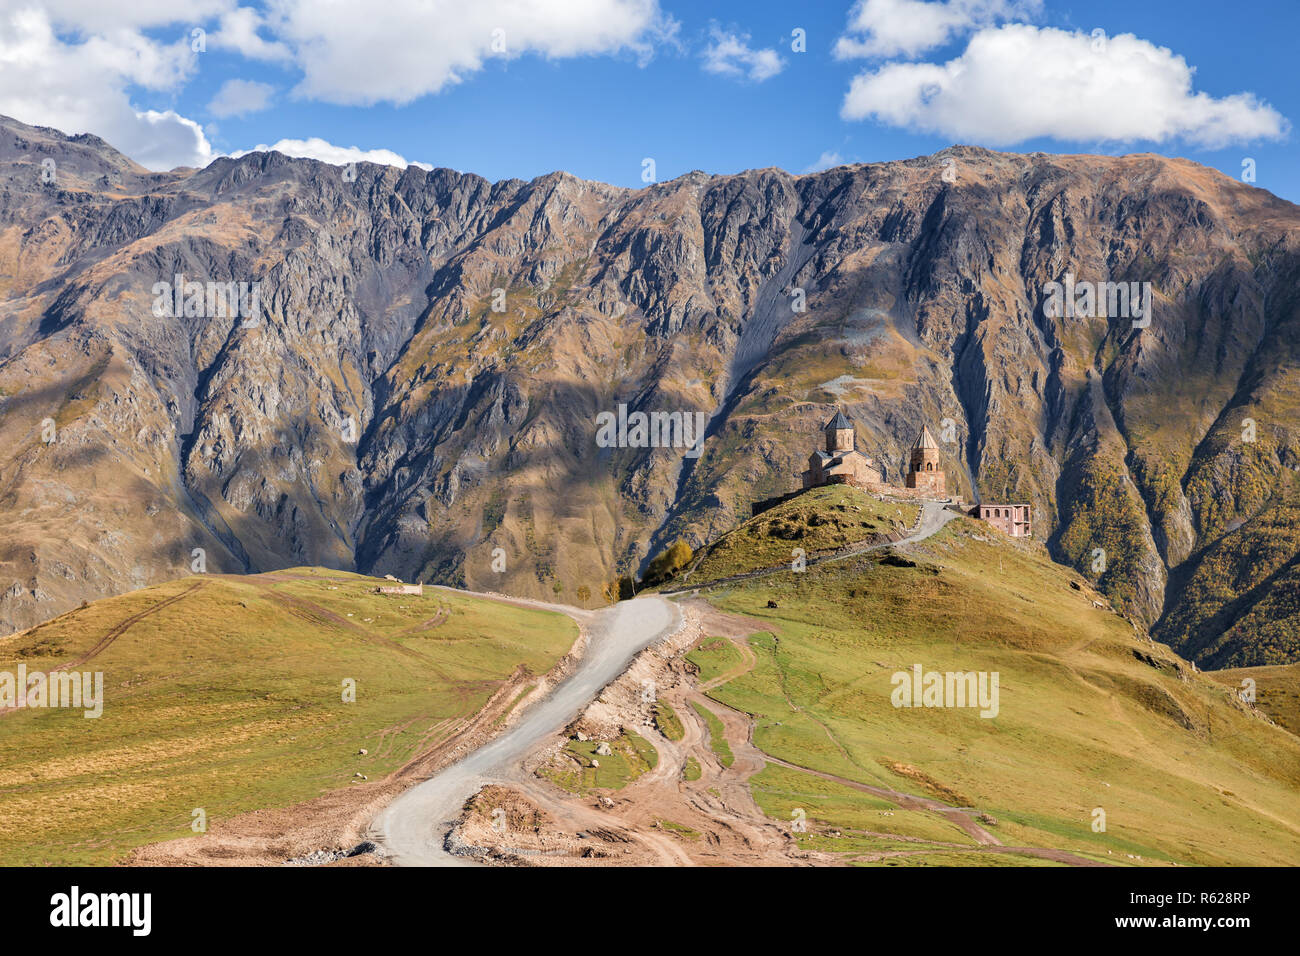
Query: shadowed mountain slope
[432, 350]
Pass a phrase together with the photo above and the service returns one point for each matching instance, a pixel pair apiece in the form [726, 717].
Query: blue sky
[596, 86]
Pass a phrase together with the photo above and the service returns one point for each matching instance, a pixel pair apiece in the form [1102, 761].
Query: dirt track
[104, 642]
[662, 818]
[659, 819]
[412, 828]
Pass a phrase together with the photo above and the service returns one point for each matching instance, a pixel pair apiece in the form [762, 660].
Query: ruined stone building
[1011, 520]
[400, 589]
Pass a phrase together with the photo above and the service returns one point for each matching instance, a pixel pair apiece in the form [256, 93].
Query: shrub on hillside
[667, 563]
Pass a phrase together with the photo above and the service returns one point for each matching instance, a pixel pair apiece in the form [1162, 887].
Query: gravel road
[411, 829]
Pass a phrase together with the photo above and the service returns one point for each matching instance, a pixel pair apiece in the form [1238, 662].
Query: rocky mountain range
[273, 362]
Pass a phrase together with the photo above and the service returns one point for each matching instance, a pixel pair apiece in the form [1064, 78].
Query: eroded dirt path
[662, 818]
[412, 829]
[117, 631]
[689, 809]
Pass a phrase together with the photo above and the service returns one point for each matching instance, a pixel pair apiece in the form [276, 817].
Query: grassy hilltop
[819, 521]
[225, 693]
[1092, 713]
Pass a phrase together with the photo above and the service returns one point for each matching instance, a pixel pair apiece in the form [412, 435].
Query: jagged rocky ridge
[381, 415]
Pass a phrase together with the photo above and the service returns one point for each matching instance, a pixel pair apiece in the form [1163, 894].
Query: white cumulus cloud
[241, 97]
[240, 31]
[829, 159]
[74, 64]
[729, 54]
[96, 16]
[882, 28]
[359, 52]
[1019, 82]
[77, 84]
[327, 152]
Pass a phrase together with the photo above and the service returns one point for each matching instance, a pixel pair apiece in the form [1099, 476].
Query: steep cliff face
[419, 391]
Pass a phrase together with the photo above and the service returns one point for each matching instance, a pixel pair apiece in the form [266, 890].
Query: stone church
[924, 470]
[841, 463]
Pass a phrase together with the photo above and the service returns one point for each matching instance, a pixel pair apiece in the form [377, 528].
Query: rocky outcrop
[419, 391]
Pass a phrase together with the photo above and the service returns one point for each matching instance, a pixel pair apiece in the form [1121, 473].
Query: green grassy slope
[1276, 689]
[230, 698]
[630, 756]
[818, 521]
[1092, 715]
